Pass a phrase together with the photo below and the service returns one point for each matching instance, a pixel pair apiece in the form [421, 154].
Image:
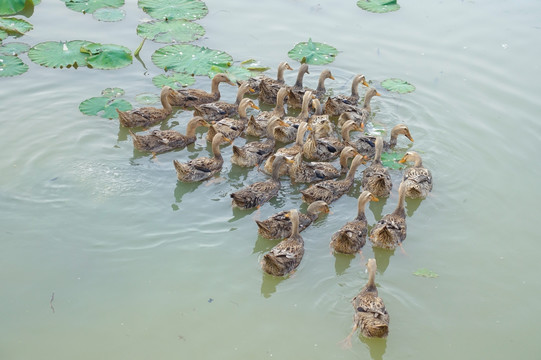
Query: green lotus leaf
[14, 48]
[378, 6]
[11, 65]
[174, 80]
[254, 67]
[425, 273]
[89, 6]
[59, 54]
[147, 99]
[13, 25]
[104, 107]
[397, 85]
[313, 53]
[170, 31]
[190, 59]
[3, 35]
[107, 56]
[109, 14]
[10, 7]
[390, 160]
[174, 9]
[235, 73]
[112, 92]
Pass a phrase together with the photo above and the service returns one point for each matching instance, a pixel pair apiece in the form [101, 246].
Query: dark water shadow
[377, 207]
[342, 262]
[269, 284]
[184, 188]
[264, 245]
[376, 346]
[412, 205]
[240, 213]
[383, 257]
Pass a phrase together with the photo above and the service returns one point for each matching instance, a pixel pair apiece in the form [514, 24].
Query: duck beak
[251, 90]
[373, 198]
[409, 137]
[365, 83]
[283, 123]
[205, 123]
[331, 77]
[288, 67]
[378, 94]
[254, 106]
[403, 160]
[228, 140]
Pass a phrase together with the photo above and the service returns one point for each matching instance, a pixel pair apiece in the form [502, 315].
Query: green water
[142, 266]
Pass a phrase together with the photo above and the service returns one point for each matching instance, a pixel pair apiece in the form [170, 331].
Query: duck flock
[304, 148]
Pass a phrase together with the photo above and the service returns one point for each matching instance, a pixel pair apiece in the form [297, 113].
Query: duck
[390, 231]
[287, 254]
[308, 172]
[233, 128]
[295, 95]
[257, 125]
[371, 316]
[202, 168]
[376, 177]
[255, 83]
[336, 105]
[278, 225]
[322, 149]
[268, 92]
[288, 152]
[321, 122]
[288, 134]
[361, 115]
[352, 236]
[365, 144]
[253, 153]
[218, 110]
[417, 179]
[160, 141]
[331, 190]
[147, 116]
[187, 98]
[256, 194]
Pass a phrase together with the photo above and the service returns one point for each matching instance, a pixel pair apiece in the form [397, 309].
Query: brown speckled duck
[160, 141]
[339, 104]
[361, 115]
[202, 168]
[255, 83]
[286, 135]
[289, 152]
[352, 236]
[294, 98]
[370, 313]
[147, 116]
[190, 97]
[417, 179]
[278, 226]
[390, 231]
[267, 93]
[233, 128]
[366, 144]
[308, 172]
[257, 125]
[218, 110]
[376, 177]
[322, 149]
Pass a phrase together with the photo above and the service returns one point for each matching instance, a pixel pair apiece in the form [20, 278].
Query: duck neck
[321, 84]
[371, 283]
[401, 199]
[279, 108]
[300, 75]
[242, 111]
[345, 133]
[240, 93]
[164, 98]
[361, 205]
[276, 165]
[379, 148]
[299, 140]
[343, 160]
[355, 87]
[280, 74]
[270, 128]
[214, 90]
[294, 217]
[216, 141]
[351, 173]
[369, 95]
[418, 162]
[304, 114]
[191, 127]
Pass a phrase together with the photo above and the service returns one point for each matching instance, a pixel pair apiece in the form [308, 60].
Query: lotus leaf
[104, 107]
[3, 35]
[190, 59]
[174, 80]
[313, 53]
[234, 73]
[11, 65]
[397, 85]
[59, 54]
[14, 48]
[147, 99]
[10, 7]
[390, 160]
[109, 14]
[425, 273]
[107, 56]
[378, 6]
[254, 67]
[89, 6]
[174, 9]
[170, 31]
[112, 92]
[13, 25]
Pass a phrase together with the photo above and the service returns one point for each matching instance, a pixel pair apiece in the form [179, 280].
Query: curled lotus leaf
[58, 54]
[11, 65]
[14, 48]
[397, 85]
[11, 7]
[390, 160]
[109, 14]
[89, 6]
[190, 59]
[174, 9]
[175, 80]
[104, 107]
[378, 6]
[3, 35]
[170, 31]
[14, 25]
[112, 92]
[314, 53]
[234, 73]
[107, 56]
[147, 99]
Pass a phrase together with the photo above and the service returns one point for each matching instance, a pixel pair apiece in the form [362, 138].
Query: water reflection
[184, 188]
[376, 346]
[263, 245]
[412, 205]
[342, 262]
[377, 207]
[382, 257]
[269, 284]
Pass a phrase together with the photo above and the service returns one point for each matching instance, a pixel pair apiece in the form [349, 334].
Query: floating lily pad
[174, 9]
[11, 65]
[109, 14]
[397, 85]
[390, 160]
[3, 35]
[14, 48]
[107, 56]
[190, 59]
[10, 7]
[378, 6]
[313, 53]
[59, 54]
[174, 80]
[425, 273]
[13, 25]
[147, 99]
[89, 6]
[234, 73]
[112, 92]
[253, 66]
[170, 31]
[104, 107]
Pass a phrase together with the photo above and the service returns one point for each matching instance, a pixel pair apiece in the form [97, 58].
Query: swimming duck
[190, 97]
[352, 236]
[289, 152]
[218, 110]
[370, 313]
[147, 116]
[361, 115]
[267, 93]
[417, 179]
[390, 231]
[339, 104]
[307, 172]
[278, 226]
[160, 141]
[288, 134]
[258, 193]
[253, 153]
[365, 144]
[330, 190]
[295, 95]
[322, 149]
[230, 127]
[202, 168]
[287, 254]
[255, 83]
[257, 125]
[376, 177]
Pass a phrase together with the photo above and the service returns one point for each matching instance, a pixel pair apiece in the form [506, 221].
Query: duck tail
[237, 151]
[181, 168]
[123, 118]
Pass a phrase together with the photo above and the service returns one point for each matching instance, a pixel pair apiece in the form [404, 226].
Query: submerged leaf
[170, 31]
[147, 99]
[89, 6]
[113, 92]
[14, 48]
[390, 160]
[59, 54]
[174, 80]
[397, 85]
[104, 107]
[3, 35]
[313, 53]
[190, 59]
[234, 73]
[13, 25]
[107, 56]
[11, 65]
[109, 14]
[425, 273]
[11, 7]
[174, 9]
[378, 6]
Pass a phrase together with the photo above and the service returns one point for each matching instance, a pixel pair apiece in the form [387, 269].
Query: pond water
[105, 255]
